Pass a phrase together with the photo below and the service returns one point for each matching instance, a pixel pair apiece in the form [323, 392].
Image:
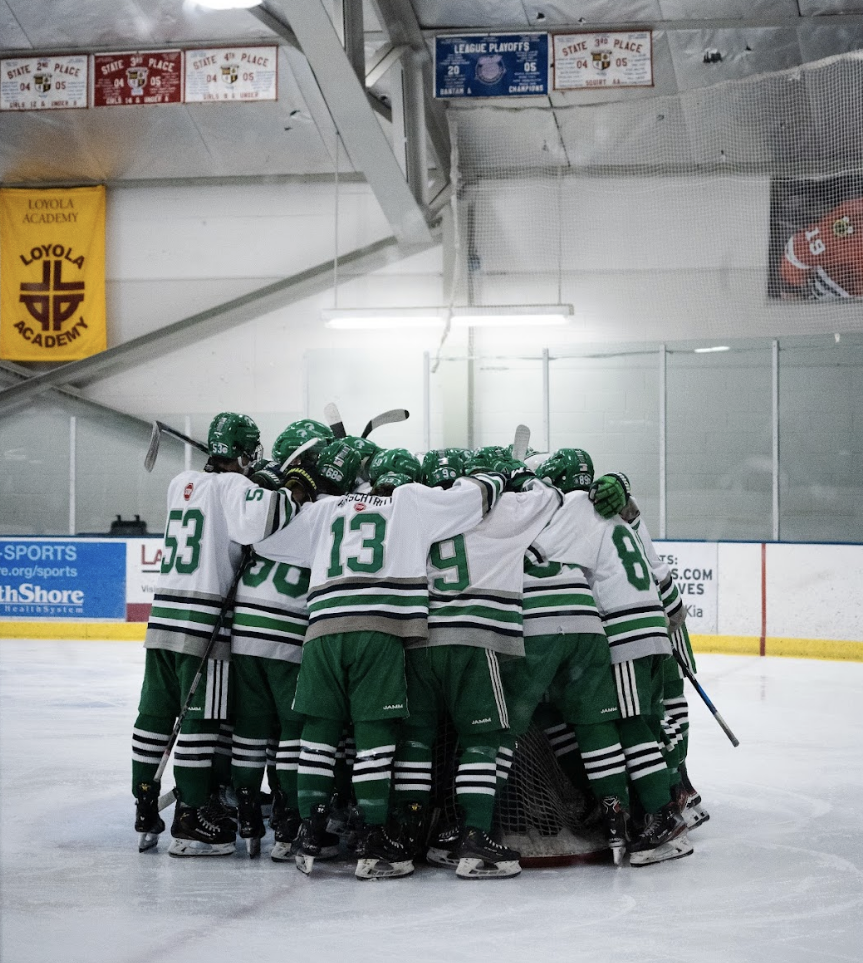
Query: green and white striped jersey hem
[268, 633]
[185, 622]
[635, 632]
[563, 608]
[395, 606]
[489, 620]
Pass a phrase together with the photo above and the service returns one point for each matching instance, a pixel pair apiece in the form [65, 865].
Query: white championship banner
[231, 73]
[44, 83]
[585, 60]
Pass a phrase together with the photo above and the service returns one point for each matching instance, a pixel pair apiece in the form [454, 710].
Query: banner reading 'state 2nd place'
[52, 274]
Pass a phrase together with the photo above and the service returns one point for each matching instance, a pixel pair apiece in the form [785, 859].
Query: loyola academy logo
[54, 298]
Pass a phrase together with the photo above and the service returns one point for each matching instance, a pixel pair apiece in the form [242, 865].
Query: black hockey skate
[313, 841]
[197, 831]
[689, 802]
[614, 818]
[148, 822]
[444, 843]
[379, 856]
[286, 823]
[663, 837]
[250, 820]
[411, 828]
[480, 856]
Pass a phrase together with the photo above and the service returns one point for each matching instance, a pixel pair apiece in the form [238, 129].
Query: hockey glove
[609, 494]
[267, 474]
[519, 479]
[302, 483]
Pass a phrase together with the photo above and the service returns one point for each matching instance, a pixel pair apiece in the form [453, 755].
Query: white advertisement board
[695, 568]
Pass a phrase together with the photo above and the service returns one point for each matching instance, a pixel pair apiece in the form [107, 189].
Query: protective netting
[539, 813]
[733, 209]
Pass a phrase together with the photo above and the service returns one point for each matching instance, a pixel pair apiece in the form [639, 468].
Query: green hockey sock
[645, 763]
[376, 746]
[475, 783]
[317, 761]
[603, 758]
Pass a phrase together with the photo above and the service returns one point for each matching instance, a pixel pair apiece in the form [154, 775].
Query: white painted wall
[173, 252]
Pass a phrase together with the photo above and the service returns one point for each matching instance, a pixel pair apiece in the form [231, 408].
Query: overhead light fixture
[228, 4]
[499, 315]
[718, 347]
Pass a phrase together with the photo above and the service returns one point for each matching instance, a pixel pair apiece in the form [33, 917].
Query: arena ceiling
[696, 43]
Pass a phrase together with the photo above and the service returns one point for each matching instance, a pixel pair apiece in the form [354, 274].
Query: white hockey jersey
[612, 559]
[672, 600]
[368, 552]
[557, 600]
[271, 611]
[210, 517]
[475, 577]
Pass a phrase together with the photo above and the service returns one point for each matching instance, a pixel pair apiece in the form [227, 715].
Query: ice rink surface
[776, 877]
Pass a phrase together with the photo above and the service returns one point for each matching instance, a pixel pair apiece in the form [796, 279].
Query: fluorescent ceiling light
[508, 315]
[228, 4]
[719, 347]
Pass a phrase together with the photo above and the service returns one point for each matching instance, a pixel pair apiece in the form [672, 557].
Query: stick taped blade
[334, 420]
[520, 442]
[390, 417]
[153, 449]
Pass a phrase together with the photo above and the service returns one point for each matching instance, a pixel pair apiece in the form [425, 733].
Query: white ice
[775, 877]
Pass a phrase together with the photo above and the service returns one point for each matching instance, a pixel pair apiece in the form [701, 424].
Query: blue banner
[491, 65]
[62, 579]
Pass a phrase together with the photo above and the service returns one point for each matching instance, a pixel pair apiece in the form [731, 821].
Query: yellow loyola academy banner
[52, 273]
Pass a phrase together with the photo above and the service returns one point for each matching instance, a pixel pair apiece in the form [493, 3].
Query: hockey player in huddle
[635, 625]
[368, 593]
[211, 515]
[566, 651]
[613, 492]
[474, 620]
[269, 624]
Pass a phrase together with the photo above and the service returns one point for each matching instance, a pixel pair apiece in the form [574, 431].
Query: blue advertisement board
[491, 65]
[62, 579]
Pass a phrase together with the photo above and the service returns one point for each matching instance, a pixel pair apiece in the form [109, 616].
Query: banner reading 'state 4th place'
[52, 274]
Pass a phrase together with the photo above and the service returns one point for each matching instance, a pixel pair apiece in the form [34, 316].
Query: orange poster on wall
[52, 273]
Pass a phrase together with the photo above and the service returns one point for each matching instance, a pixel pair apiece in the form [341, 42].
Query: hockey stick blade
[386, 418]
[153, 449]
[334, 420]
[520, 442]
[299, 451]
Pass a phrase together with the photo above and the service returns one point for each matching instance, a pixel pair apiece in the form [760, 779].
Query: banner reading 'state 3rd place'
[52, 274]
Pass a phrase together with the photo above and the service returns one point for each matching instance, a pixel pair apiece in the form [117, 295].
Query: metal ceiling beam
[403, 28]
[346, 97]
[214, 320]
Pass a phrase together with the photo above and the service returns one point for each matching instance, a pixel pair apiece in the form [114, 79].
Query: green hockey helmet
[569, 469]
[366, 450]
[440, 468]
[338, 465]
[298, 433]
[397, 461]
[232, 435]
[390, 480]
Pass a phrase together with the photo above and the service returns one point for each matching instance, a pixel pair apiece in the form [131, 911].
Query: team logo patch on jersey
[359, 507]
[843, 227]
[187, 491]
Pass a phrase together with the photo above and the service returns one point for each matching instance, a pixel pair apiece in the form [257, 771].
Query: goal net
[734, 210]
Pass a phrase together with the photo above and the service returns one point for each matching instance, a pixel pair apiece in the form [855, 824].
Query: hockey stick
[386, 418]
[334, 420]
[684, 668]
[160, 428]
[520, 442]
[166, 798]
